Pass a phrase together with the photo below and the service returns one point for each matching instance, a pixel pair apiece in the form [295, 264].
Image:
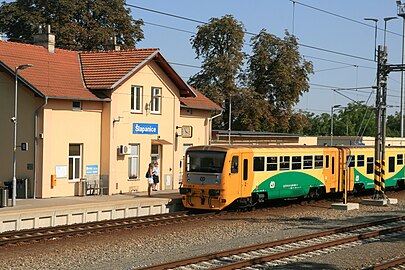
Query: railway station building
[101, 116]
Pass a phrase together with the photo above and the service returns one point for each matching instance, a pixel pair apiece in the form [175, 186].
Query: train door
[247, 176]
[235, 176]
[331, 170]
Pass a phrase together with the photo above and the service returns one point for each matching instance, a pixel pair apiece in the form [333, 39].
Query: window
[258, 164]
[245, 169]
[156, 98]
[400, 159]
[360, 161]
[76, 106]
[133, 162]
[370, 165]
[75, 161]
[205, 161]
[318, 162]
[272, 163]
[296, 163]
[327, 161]
[350, 160]
[136, 98]
[391, 164]
[284, 163]
[308, 162]
[235, 164]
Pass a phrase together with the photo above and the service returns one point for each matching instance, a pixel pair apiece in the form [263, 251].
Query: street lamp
[229, 120]
[385, 26]
[401, 13]
[375, 35]
[331, 121]
[14, 120]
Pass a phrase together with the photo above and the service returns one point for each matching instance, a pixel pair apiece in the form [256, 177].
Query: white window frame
[133, 159]
[156, 100]
[136, 98]
[74, 158]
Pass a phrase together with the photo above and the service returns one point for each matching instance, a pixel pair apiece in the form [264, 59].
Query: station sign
[145, 128]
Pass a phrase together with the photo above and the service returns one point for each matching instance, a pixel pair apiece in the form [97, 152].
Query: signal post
[383, 69]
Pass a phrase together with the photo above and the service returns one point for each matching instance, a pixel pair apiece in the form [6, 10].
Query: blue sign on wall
[145, 128]
[92, 169]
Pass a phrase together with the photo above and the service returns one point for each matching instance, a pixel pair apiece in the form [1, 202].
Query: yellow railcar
[217, 176]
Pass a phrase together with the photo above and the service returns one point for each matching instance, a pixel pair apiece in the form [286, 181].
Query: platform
[37, 213]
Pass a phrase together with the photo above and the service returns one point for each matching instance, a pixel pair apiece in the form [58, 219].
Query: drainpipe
[210, 126]
[36, 143]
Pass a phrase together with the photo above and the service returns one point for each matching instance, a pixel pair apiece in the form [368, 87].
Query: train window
[318, 162]
[400, 159]
[333, 165]
[245, 169]
[360, 160]
[308, 160]
[391, 164]
[296, 163]
[235, 164]
[370, 165]
[271, 163]
[258, 164]
[351, 159]
[327, 161]
[205, 161]
[284, 163]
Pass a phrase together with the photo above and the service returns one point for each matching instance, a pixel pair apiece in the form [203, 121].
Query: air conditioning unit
[124, 150]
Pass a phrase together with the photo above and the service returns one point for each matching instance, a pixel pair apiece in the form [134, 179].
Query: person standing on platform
[149, 177]
[155, 174]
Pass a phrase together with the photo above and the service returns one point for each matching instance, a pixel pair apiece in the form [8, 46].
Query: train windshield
[205, 161]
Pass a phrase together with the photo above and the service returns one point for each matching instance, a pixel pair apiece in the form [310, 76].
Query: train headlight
[185, 190]
[214, 192]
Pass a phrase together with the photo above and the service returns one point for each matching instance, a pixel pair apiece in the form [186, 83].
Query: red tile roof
[199, 102]
[53, 74]
[73, 75]
[102, 70]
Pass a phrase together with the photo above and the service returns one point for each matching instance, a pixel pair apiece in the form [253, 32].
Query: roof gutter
[201, 108]
[36, 142]
[210, 126]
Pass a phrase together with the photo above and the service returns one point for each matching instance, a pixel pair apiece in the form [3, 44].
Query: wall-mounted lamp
[115, 120]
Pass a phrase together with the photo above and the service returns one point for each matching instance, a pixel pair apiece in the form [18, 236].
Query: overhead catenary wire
[247, 32]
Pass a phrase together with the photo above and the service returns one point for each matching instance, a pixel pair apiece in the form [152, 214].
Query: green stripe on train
[368, 182]
[288, 184]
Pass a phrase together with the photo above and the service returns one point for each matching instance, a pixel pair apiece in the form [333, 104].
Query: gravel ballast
[135, 248]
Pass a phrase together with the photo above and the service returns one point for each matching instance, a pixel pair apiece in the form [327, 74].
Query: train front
[202, 183]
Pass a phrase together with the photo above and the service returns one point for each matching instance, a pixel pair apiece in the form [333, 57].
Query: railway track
[14, 237]
[292, 250]
[398, 263]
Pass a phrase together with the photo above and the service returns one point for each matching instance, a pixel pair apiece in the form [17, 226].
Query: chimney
[45, 39]
[112, 44]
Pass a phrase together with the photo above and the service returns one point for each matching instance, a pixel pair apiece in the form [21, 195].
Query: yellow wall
[64, 126]
[27, 104]
[121, 134]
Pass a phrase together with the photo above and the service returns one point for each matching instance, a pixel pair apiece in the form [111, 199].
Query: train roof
[229, 147]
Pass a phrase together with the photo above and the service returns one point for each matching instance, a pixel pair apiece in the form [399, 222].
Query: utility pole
[380, 120]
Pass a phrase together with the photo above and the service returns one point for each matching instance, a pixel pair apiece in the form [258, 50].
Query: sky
[333, 35]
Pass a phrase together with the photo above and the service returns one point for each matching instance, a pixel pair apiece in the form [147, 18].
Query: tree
[219, 44]
[394, 125]
[357, 119]
[279, 74]
[77, 24]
